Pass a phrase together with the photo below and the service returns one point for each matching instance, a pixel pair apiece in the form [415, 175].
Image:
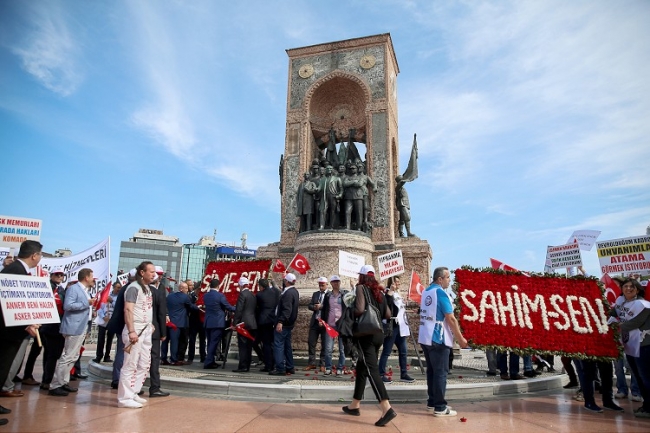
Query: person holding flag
[245, 314]
[330, 314]
[399, 333]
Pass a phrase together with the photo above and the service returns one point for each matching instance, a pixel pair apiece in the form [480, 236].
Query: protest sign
[229, 273]
[390, 264]
[96, 258]
[625, 256]
[123, 279]
[27, 300]
[15, 230]
[586, 238]
[563, 256]
[350, 264]
[535, 314]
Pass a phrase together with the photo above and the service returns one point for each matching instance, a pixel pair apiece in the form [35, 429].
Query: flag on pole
[496, 264]
[279, 266]
[415, 288]
[103, 296]
[300, 264]
[330, 331]
[411, 172]
[612, 291]
[243, 331]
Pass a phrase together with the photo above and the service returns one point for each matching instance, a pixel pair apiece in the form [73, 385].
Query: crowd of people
[155, 327]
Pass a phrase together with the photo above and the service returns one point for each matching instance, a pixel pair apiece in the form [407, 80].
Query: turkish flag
[500, 265]
[300, 264]
[330, 331]
[279, 266]
[416, 288]
[612, 291]
[243, 331]
[103, 297]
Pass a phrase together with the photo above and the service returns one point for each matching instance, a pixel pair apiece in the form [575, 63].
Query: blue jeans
[282, 351]
[641, 368]
[528, 363]
[514, 363]
[329, 348]
[492, 357]
[437, 357]
[119, 358]
[621, 382]
[399, 341]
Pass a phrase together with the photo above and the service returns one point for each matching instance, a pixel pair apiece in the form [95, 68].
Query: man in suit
[267, 301]
[287, 314]
[53, 341]
[215, 305]
[159, 334]
[76, 309]
[178, 307]
[316, 330]
[245, 312]
[197, 329]
[11, 337]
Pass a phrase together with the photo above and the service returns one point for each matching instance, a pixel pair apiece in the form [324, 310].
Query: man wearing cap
[316, 330]
[215, 305]
[286, 315]
[76, 310]
[267, 302]
[245, 312]
[331, 313]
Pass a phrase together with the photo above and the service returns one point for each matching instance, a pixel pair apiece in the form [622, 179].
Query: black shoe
[114, 384]
[97, 360]
[531, 373]
[141, 392]
[613, 406]
[58, 392]
[4, 410]
[68, 388]
[491, 373]
[277, 373]
[158, 393]
[570, 385]
[211, 366]
[240, 370]
[388, 417]
[353, 412]
[292, 371]
[80, 376]
[107, 359]
[264, 370]
[16, 379]
[3, 421]
[45, 386]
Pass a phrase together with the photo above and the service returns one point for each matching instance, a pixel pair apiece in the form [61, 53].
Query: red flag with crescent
[416, 288]
[300, 264]
[330, 331]
[103, 297]
[279, 266]
[243, 331]
[496, 264]
[612, 291]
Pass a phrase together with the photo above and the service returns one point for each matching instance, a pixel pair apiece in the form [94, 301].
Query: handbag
[369, 323]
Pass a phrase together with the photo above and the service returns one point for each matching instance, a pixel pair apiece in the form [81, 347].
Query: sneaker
[620, 395]
[406, 378]
[593, 407]
[447, 412]
[386, 379]
[636, 398]
[130, 404]
[433, 409]
[579, 396]
[641, 413]
[328, 372]
[613, 406]
[139, 399]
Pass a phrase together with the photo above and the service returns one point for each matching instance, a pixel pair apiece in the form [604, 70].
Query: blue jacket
[76, 311]
[178, 308]
[216, 305]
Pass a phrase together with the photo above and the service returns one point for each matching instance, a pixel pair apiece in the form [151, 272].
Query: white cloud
[48, 50]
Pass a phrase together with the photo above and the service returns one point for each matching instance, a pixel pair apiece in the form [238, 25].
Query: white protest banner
[625, 255]
[390, 264]
[4, 252]
[27, 300]
[123, 279]
[350, 264]
[563, 256]
[15, 230]
[586, 238]
[96, 258]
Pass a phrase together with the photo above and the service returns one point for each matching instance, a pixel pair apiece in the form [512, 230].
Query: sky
[532, 118]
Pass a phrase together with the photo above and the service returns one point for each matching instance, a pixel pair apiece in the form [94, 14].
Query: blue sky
[532, 118]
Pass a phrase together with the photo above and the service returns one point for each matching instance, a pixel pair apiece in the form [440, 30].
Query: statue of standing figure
[306, 192]
[401, 196]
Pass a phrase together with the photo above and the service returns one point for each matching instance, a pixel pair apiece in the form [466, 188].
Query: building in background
[152, 245]
[197, 256]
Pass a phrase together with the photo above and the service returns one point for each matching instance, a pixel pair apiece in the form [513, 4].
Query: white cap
[243, 281]
[155, 277]
[366, 269]
[290, 277]
[57, 270]
[334, 278]
[322, 280]
[132, 273]
[159, 270]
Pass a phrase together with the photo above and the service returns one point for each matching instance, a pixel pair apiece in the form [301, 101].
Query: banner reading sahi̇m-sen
[625, 256]
[229, 273]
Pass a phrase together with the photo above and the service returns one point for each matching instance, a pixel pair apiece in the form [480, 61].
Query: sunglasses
[58, 274]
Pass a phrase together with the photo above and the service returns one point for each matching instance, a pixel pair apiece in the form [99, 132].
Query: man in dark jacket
[215, 305]
[245, 313]
[178, 308]
[159, 334]
[316, 330]
[267, 302]
[116, 326]
[287, 313]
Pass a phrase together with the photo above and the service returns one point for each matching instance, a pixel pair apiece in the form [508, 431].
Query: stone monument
[342, 113]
